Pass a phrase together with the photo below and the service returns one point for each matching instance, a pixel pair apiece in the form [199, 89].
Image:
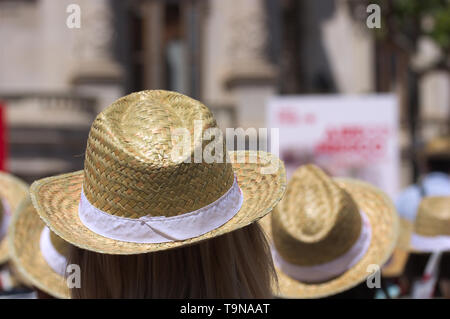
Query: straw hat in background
[12, 192]
[38, 255]
[431, 231]
[438, 147]
[135, 196]
[326, 233]
[395, 266]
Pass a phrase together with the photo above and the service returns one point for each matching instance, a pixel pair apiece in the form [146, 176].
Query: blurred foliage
[404, 21]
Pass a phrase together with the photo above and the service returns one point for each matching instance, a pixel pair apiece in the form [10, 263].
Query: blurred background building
[232, 55]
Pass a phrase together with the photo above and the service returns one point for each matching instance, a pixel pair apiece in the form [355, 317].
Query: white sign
[349, 136]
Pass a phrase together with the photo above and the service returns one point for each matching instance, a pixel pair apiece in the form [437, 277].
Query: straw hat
[38, 264]
[135, 196]
[12, 192]
[395, 266]
[439, 146]
[432, 225]
[326, 233]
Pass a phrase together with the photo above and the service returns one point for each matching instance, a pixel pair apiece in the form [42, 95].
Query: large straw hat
[37, 253]
[432, 225]
[135, 196]
[327, 233]
[12, 192]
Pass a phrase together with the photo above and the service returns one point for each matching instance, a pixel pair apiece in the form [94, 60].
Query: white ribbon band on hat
[162, 229]
[4, 222]
[334, 268]
[430, 243]
[54, 259]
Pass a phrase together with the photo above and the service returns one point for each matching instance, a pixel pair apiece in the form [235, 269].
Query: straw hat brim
[384, 222]
[24, 239]
[13, 191]
[404, 237]
[56, 200]
[396, 263]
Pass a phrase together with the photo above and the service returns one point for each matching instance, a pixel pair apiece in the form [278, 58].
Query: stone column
[349, 46]
[154, 68]
[96, 72]
[248, 73]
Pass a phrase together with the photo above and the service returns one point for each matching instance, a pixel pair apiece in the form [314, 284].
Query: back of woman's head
[235, 265]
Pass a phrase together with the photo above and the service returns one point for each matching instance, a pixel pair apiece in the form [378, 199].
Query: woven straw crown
[129, 170]
[316, 221]
[433, 217]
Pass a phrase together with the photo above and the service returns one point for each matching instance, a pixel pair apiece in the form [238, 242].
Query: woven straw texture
[129, 170]
[397, 262]
[25, 232]
[382, 217]
[433, 217]
[56, 200]
[439, 146]
[316, 221]
[13, 191]
[135, 167]
[405, 231]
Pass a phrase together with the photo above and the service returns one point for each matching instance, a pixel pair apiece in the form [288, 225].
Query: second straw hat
[327, 234]
[147, 185]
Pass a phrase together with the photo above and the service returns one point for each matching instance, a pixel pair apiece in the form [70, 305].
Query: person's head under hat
[145, 223]
[329, 234]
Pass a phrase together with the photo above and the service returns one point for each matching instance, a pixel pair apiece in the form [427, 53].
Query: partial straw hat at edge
[12, 191]
[439, 146]
[25, 246]
[433, 216]
[431, 226]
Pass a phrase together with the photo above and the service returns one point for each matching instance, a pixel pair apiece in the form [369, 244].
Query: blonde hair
[234, 265]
